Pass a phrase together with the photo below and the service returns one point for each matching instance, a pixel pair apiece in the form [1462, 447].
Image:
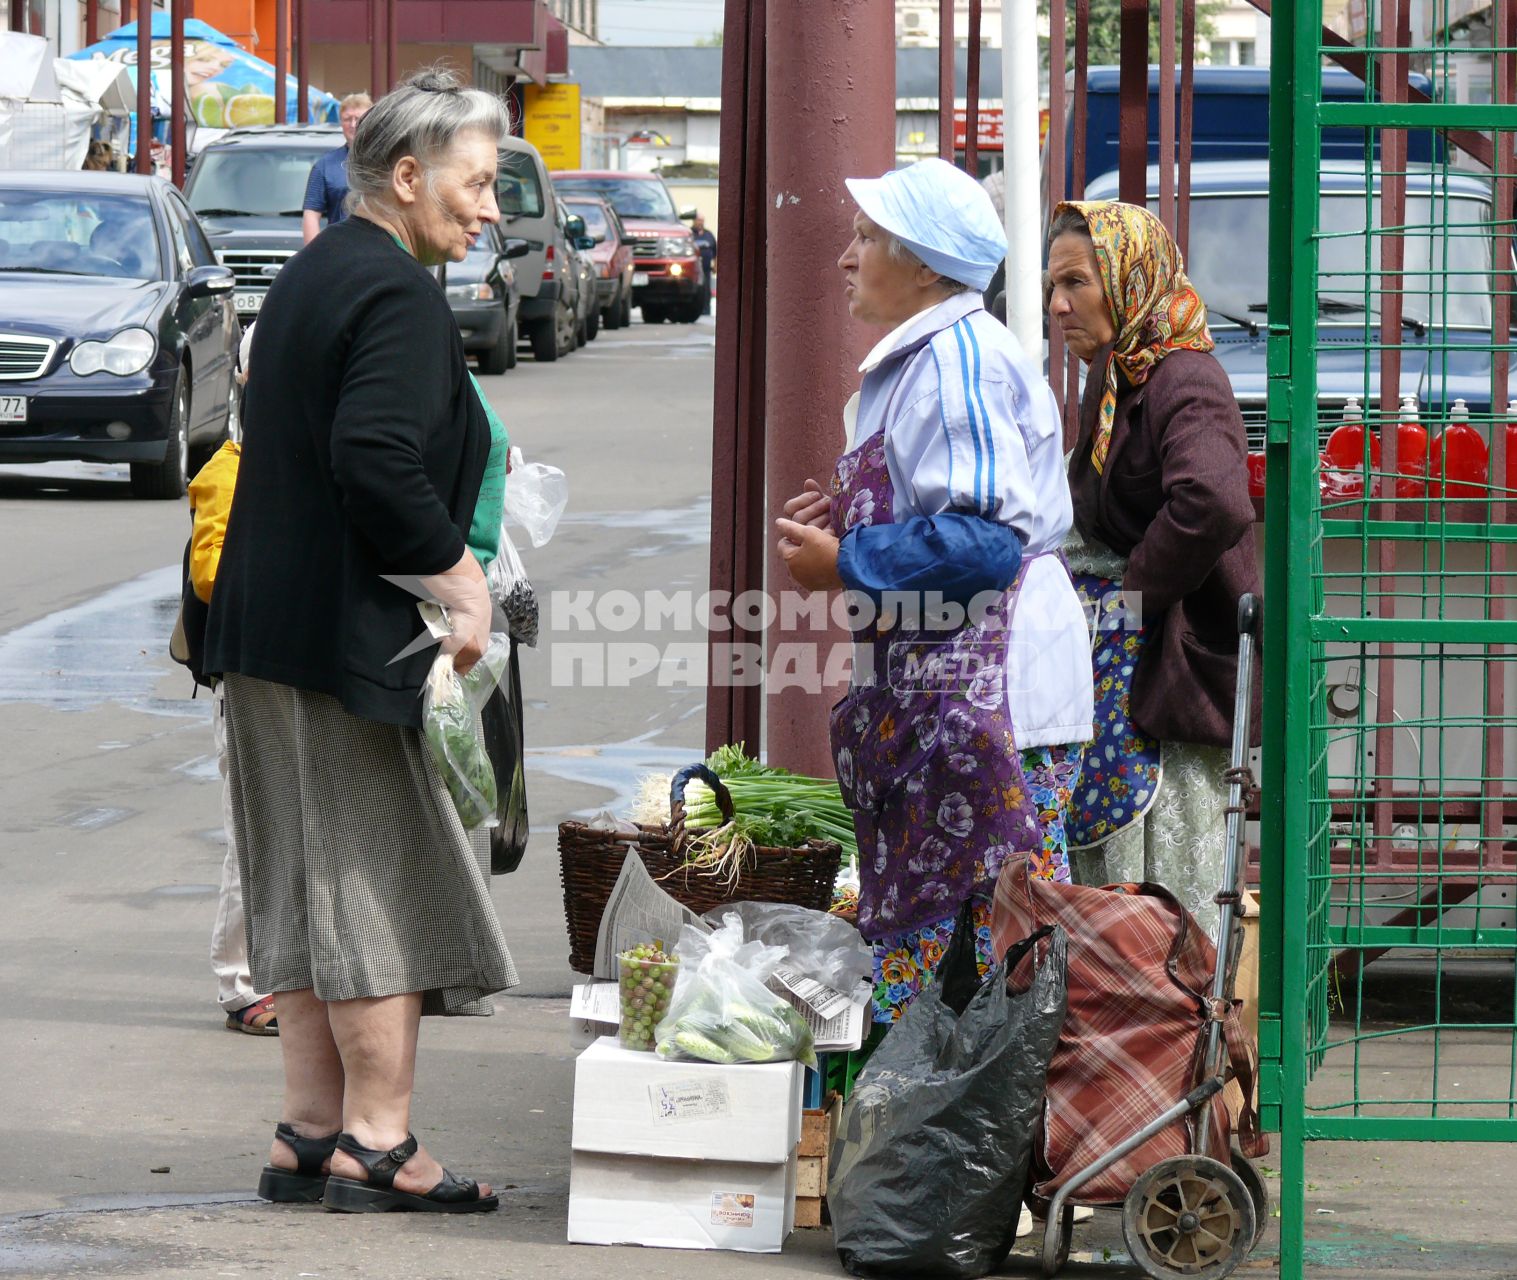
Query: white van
[545, 275]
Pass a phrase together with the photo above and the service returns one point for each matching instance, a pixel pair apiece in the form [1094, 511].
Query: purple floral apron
[925, 751]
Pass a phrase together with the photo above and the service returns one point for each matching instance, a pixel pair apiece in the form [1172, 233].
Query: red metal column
[1077, 192]
[1132, 96]
[303, 80]
[1504, 92]
[831, 115]
[739, 518]
[376, 49]
[1187, 119]
[17, 19]
[1390, 85]
[91, 22]
[392, 63]
[1166, 113]
[972, 92]
[945, 80]
[281, 62]
[145, 88]
[176, 93]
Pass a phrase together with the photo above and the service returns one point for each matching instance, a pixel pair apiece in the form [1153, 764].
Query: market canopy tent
[48, 106]
[225, 86]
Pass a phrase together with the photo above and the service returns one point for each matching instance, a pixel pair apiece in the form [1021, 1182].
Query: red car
[612, 256]
[668, 281]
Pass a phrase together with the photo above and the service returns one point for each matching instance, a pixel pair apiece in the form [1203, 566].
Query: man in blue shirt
[327, 187]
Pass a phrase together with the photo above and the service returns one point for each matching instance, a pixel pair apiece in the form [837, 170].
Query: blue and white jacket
[972, 429]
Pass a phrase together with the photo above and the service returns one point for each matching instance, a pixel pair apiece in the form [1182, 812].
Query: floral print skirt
[904, 964]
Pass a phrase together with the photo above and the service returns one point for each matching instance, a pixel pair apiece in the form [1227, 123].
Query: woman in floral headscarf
[1161, 551]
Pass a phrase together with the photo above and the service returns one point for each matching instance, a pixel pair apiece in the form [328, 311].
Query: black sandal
[379, 1195]
[304, 1183]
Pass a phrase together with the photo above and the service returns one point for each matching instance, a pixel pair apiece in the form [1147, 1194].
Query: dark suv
[247, 188]
[668, 281]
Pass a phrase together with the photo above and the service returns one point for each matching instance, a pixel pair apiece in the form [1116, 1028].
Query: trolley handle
[1248, 614]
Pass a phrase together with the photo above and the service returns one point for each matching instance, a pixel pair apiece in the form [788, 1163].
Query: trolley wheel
[1248, 1171]
[1056, 1241]
[1188, 1216]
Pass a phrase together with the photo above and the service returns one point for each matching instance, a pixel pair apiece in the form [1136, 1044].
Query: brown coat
[1173, 498]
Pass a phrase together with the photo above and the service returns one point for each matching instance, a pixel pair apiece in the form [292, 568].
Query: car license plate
[639, 278]
[12, 408]
[247, 303]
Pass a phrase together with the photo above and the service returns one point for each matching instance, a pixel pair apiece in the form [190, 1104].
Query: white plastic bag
[512, 590]
[450, 718]
[536, 495]
[722, 1011]
[823, 947]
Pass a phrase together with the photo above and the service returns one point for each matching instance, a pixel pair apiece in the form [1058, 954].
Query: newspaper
[638, 911]
[841, 1030]
[596, 1002]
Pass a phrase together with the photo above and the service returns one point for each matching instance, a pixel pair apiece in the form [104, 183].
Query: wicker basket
[590, 860]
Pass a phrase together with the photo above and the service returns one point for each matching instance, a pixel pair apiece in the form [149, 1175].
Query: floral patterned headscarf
[1153, 305]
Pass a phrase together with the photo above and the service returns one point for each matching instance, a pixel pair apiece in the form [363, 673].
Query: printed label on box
[731, 1209]
[689, 1100]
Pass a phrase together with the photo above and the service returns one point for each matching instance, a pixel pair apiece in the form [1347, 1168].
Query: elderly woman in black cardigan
[370, 465]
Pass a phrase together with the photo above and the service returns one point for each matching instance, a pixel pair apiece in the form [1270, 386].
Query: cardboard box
[631, 1103]
[680, 1204]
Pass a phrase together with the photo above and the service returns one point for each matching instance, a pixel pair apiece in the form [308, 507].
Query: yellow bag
[210, 503]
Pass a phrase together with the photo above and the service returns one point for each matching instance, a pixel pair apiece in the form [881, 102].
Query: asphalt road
[134, 1125]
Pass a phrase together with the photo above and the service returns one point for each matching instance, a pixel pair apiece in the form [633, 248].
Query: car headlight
[480, 292]
[130, 351]
[676, 247]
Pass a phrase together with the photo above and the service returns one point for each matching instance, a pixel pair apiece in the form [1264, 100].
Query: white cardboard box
[680, 1204]
[631, 1103]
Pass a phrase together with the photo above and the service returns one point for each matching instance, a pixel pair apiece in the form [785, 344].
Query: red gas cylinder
[1459, 459]
[1256, 470]
[1343, 458]
[1511, 445]
[1411, 452]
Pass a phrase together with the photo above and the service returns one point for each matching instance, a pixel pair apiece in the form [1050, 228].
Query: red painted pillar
[830, 82]
[176, 92]
[392, 59]
[281, 62]
[945, 80]
[303, 80]
[125, 12]
[376, 49]
[91, 22]
[17, 19]
[145, 87]
[1132, 131]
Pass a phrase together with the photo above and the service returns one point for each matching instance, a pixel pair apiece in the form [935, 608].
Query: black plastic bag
[501, 720]
[932, 1151]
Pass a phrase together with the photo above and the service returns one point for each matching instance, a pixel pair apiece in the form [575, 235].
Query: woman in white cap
[960, 746]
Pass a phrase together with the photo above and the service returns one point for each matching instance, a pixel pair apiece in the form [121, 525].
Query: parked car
[586, 298]
[486, 303]
[1446, 336]
[545, 275]
[118, 341]
[612, 256]
[1230, 119]
[668, 282]
[247, 188]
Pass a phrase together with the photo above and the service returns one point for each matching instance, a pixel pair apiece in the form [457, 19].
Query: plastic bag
[501, 722]
[821, 946]
[722, 1011]
[450, 705]
[931, 1158]
[512, 590]
[536, 495]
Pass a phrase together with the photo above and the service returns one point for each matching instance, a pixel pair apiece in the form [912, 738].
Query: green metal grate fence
[1391, 641]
